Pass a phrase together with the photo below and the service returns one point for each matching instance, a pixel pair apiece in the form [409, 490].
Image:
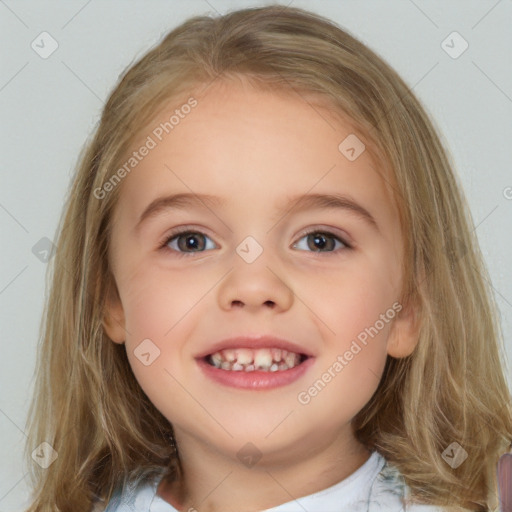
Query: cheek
[158, 312]
[356, 313]
[350, 301]
[359, 315]
[157, 300]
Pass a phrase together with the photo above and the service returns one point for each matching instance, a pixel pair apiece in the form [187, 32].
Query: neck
[213, 482]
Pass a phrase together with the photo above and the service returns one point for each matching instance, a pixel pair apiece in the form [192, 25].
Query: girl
[267, 292]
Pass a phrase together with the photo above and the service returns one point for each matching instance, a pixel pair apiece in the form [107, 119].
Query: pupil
[319, 240]
[191, 242]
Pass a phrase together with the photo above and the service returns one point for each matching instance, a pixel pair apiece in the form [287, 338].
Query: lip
[254, 342]
[255, 380]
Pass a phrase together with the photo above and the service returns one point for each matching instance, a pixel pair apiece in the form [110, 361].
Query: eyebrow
[300, 203]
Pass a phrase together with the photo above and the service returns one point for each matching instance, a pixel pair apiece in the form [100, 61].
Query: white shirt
[374, 487]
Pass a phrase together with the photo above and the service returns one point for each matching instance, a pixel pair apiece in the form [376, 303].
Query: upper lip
[255, 342]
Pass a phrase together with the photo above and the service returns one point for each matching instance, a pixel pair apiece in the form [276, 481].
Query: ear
[404, 333]
[113, 318]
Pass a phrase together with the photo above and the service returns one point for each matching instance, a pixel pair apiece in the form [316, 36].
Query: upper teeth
[247, 359]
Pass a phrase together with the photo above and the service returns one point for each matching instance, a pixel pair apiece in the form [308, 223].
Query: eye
[186, 241]
[318, 240]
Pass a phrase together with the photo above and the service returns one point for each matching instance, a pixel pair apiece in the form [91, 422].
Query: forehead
[253, 146]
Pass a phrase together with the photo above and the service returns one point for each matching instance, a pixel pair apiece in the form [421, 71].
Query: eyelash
[187, 230]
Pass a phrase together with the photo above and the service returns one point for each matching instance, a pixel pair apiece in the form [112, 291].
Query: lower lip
[256, 379]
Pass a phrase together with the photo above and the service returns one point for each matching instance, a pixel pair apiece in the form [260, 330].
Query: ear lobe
[404, 333]
[113, 318]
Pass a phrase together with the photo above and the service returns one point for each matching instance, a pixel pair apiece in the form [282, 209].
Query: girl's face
[252, 269]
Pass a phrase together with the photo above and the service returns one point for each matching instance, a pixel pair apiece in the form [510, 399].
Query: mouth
[249, 360]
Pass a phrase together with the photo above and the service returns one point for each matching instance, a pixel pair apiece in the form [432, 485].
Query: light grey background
[49, 107]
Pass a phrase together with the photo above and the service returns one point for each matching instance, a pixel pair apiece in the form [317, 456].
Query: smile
[254, 369]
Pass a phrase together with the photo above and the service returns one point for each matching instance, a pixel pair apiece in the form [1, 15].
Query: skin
[254, 148]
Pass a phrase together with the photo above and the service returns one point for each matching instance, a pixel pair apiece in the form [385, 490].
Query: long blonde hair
[88, 405]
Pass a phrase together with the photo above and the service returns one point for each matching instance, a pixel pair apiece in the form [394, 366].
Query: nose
[256, 284]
